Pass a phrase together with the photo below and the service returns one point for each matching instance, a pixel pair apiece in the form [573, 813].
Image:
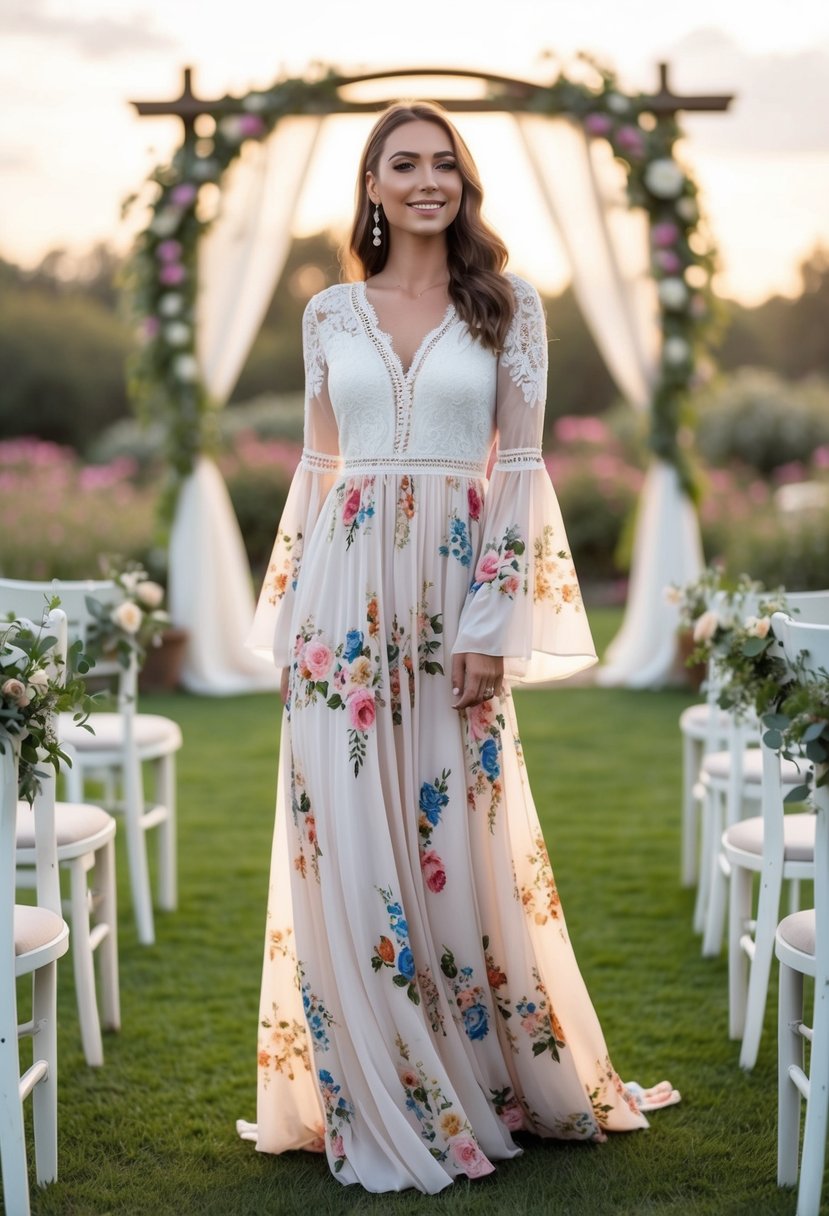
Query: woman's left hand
[476, 678]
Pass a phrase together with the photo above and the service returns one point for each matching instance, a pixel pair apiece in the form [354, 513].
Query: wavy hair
[476, 255]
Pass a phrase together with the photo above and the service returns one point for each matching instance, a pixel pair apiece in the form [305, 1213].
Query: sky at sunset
[71, 147]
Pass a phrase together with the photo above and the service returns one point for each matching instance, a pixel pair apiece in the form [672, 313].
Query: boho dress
[420, 996]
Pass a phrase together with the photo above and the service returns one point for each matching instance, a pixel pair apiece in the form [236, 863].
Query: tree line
[64, 338]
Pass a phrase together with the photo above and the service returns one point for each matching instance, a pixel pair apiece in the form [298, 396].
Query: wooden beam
[511, 94]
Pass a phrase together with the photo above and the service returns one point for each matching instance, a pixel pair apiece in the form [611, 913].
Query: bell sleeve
[524, 602]
[270, 634]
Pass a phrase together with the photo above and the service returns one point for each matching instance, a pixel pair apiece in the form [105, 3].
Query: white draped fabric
[607, 244]
[240, 261]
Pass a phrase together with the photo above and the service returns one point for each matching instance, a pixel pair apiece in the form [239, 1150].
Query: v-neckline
[426, 343]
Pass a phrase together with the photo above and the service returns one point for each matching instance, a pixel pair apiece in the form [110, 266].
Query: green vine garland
[160, 277]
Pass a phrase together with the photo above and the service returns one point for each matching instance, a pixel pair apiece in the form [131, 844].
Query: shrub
[758, 420]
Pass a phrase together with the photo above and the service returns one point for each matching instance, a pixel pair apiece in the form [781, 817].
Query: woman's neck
[414, 267]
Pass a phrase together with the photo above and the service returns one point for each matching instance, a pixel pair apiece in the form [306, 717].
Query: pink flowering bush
[59, 515]
[597, 486]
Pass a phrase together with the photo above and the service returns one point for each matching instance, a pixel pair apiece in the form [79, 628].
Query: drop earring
[376, 232]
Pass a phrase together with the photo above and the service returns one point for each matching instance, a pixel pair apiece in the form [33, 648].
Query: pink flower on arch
[171, 274]
[184, 194]
[168, 251]
[474, 502]
[598, 124]
[664, 234]
[361, 709]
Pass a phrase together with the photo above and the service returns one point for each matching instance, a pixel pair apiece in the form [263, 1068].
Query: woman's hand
[283, 684]
[476, 678]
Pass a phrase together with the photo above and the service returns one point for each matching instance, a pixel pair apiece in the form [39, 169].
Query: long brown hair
[476, 255]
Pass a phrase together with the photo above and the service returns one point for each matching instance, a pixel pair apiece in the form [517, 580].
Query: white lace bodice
[364, 409]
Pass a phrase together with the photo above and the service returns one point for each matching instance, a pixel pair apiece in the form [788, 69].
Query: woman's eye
[402, 166]
[446, 164]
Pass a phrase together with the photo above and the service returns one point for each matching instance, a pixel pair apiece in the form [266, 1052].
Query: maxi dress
[420, 997]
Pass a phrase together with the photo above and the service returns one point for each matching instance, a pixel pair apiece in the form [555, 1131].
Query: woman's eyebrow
[416, 155]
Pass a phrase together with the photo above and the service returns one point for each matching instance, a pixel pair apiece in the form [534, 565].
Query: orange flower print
[386, 950]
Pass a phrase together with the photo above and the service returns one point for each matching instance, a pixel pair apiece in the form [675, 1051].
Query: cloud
[781, 101]
[92, 37]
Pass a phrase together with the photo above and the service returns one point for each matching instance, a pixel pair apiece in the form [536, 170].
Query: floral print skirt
[420, 997]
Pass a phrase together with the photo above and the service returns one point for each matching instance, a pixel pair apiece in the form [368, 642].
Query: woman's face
[417, 181]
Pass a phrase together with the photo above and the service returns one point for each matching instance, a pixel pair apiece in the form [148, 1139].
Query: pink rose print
[474, 502]
[433, 870]
[351, 507]
[487, 568]
[361, 709]
[510, 584]
[317, 657]
[337, 1146]
[466, 998]
[480, 719]
[469, 1157]
[513, 1117]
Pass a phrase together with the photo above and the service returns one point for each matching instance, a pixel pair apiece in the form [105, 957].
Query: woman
[420, 998]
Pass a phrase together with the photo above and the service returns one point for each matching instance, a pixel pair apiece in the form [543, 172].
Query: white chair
[703, 727]
[86, 849]
[32, 939]
[720, 792]
[777, 847]
[124, 741]
[732, 783]
[802, 948]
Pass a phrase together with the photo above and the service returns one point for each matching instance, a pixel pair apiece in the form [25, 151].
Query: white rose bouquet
[135, 621]
[30, 698]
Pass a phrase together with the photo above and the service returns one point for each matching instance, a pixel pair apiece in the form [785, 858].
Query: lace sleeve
[524, 601]
[523, 363]
[315, 474]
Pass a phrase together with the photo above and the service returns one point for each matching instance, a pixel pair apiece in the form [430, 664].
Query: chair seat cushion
[151, 730]
[74, 823]
[34, 928]
[798, 835]
[798, 931]
[696, 720]
[718, 765]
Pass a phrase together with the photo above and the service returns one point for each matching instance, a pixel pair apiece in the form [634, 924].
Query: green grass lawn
[152, 1132]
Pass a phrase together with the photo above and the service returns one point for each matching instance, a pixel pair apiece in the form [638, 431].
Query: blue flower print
[405, 963]
[476, 1021]
[489, 758]
[432, 802]
[353, 644]
[326, 1078]
[399, 957]
[457, 543]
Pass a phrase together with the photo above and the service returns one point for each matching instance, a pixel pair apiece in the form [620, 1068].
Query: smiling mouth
[425, 206]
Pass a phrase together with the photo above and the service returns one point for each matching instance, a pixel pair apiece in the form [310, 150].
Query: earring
[376, 233]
